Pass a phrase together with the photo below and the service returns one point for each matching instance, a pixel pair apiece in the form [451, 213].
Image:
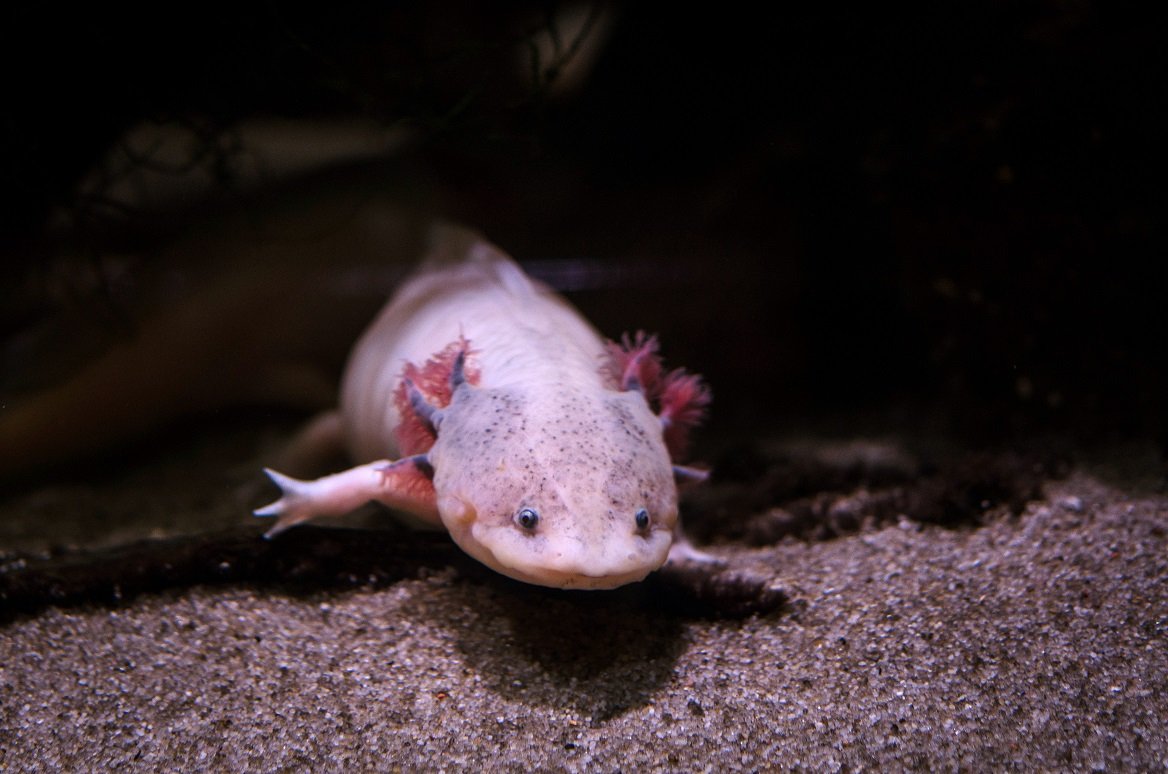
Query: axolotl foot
[683, 552]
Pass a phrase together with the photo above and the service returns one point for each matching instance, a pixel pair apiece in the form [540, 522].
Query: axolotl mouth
[558, 569]
[560, 560]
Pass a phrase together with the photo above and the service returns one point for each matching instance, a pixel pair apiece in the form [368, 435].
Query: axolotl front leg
[404, 485]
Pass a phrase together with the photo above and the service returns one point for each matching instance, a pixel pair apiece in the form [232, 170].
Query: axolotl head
[569, 490]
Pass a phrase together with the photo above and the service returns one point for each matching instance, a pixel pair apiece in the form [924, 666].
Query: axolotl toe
[482, 402]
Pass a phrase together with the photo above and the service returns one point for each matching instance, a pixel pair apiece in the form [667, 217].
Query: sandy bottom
[1034, 636]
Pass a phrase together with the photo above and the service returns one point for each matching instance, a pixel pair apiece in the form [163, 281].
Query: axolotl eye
[642, 518]
[527, 518]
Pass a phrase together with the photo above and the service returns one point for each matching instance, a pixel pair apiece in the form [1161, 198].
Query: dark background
[952, 210]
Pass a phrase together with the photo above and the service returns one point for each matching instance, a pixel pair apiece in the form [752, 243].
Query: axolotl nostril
[544, 451]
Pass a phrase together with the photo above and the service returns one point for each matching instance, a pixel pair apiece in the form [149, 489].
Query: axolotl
[482, 402]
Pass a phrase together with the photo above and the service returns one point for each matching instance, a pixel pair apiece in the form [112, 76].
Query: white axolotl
[515, 426]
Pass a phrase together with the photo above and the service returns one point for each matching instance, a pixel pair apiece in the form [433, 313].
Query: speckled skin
[543, 428]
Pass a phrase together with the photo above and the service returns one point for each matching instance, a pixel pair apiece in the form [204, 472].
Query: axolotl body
[482, 402]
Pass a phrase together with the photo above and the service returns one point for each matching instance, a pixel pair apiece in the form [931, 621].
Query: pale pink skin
[543, 429]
